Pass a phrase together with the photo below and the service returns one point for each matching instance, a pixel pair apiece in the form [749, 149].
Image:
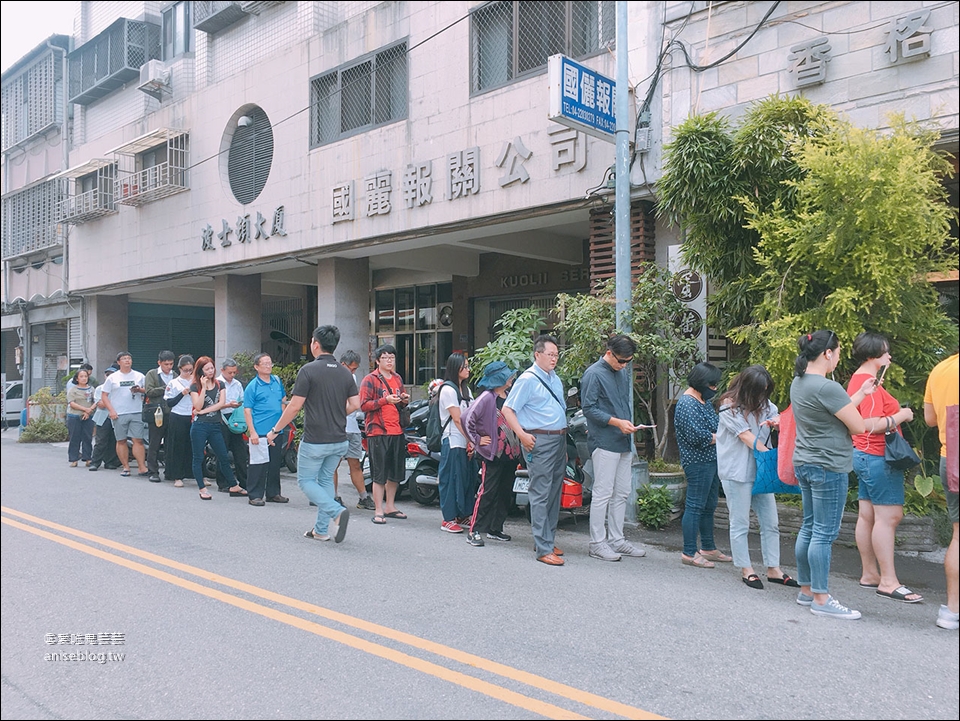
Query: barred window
[359, 96]
[30, 222]
[512, 40]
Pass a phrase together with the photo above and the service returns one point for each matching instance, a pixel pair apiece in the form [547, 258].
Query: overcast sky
[24, 25]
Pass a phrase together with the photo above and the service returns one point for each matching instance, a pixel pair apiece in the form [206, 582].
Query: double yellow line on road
[461, 679]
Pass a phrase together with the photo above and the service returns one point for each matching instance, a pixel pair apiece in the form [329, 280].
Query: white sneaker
[603, 552]
[834, 608]
[948, 620]
[625, 548]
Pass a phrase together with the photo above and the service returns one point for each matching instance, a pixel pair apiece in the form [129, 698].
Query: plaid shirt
[373, 388]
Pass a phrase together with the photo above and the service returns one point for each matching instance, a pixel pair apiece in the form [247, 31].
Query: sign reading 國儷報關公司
[581, 98]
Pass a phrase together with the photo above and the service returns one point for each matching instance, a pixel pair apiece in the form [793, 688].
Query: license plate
[520, 485]
[410, 463]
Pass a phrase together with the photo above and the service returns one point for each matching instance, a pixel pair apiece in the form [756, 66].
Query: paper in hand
[259, 452]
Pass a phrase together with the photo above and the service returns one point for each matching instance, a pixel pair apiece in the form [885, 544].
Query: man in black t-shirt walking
[327, 392]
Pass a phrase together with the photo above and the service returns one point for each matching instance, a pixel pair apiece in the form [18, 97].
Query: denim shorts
[879, 483]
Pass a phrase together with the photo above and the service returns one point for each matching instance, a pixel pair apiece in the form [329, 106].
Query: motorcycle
[423, 483]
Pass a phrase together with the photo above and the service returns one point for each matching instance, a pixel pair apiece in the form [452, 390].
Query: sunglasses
[623, 361]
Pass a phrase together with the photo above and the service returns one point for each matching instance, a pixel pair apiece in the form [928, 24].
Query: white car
[12, 401]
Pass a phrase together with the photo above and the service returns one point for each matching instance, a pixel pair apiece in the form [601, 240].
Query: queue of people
[838, 431]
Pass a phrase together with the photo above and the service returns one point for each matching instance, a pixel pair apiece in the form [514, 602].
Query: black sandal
[784, 581]
[753, 580]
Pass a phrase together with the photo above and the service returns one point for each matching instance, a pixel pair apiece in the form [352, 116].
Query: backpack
[435, 429]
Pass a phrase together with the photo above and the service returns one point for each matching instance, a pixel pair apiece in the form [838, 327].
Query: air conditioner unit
[445, 315]
[154, 79]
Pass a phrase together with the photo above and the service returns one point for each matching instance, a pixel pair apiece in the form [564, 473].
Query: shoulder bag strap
[549, 389]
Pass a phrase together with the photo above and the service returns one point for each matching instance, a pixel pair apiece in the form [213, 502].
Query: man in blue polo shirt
[536, 412]
[263, 401]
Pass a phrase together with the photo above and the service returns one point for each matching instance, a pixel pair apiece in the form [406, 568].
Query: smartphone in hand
[880, 374]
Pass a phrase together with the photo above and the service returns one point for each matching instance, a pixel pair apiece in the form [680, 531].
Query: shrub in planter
[654, 506]
[44, 430]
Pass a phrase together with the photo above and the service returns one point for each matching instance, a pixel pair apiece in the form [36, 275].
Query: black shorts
[387, 458]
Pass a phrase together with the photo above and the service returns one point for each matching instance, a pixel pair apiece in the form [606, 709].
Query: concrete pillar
[343, 300]
[238, 315]
[106, 330]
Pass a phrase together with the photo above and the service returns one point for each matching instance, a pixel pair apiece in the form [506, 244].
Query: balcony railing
[111, 59]
[212, 17]
[91, 205]
[159, 181]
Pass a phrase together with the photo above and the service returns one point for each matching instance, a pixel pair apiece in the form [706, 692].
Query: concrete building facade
[239, 172]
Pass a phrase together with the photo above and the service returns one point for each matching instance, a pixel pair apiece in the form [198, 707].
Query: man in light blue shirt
[537, 413]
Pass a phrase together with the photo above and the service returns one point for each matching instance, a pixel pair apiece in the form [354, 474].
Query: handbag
[768, 478]
[952, 481]
[786, 446]
[898, 454]
[237, 421]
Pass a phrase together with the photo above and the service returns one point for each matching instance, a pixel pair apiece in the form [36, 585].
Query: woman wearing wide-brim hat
[498, 448]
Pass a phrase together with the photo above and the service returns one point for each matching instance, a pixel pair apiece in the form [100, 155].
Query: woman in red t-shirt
[881, 486]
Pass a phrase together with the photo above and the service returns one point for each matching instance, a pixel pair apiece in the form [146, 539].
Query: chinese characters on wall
[245, 230]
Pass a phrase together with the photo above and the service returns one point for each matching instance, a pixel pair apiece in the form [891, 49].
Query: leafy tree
[708, 167]
[803, 221]
[513, 343]
[587, 320]
[870, 221]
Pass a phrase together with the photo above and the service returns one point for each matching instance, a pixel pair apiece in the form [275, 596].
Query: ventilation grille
[250, 157]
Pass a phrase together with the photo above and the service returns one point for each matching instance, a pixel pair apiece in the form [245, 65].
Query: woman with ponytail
[826, 419]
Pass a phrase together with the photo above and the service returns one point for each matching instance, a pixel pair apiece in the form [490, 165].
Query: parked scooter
[423, 482]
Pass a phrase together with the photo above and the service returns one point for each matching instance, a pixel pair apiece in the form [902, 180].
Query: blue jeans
[316, 463]
[201, 433]
[824, 494]
[452, 477]
[703, 490]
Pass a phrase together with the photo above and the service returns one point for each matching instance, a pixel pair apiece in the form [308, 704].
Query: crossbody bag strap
[549, 389]
[443, 428]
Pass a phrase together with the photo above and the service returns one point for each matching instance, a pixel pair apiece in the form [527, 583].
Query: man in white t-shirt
[122, 396]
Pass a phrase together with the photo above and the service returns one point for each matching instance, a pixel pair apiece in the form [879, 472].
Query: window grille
[88, 194]
[511, 40]
[111, 59]
[30, 219]
[33, 101]
[359, 96]
[152, 167]
[250, 156]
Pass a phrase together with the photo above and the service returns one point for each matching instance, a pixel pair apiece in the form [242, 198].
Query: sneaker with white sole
[498, 536]
[947, 619]
[803, 599]
[834, 608]
[474, 539]
[604, 552]
[451, 527]
[625, 548]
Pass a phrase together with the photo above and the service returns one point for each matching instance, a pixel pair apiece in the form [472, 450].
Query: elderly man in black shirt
[605, 392]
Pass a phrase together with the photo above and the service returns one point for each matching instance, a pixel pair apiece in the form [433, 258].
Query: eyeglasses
[551, 355]
[623, 361]
[186, 369]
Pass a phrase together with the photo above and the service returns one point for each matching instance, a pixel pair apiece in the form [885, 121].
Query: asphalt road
[223, 610]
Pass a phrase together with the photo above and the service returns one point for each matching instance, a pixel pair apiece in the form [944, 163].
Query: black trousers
[179, 453]
[241, 458]
[156, 437]
[105, 447]
[265, 477]
[493, 498]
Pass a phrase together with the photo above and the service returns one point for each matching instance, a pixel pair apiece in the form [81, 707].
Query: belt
[545, 432]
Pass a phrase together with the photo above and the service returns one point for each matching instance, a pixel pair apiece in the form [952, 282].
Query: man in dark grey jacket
[605, 392]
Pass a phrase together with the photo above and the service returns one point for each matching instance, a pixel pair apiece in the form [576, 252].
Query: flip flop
[784, 580]
[900, 594]
[379, 520]
[124, 473]
[395, 514]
